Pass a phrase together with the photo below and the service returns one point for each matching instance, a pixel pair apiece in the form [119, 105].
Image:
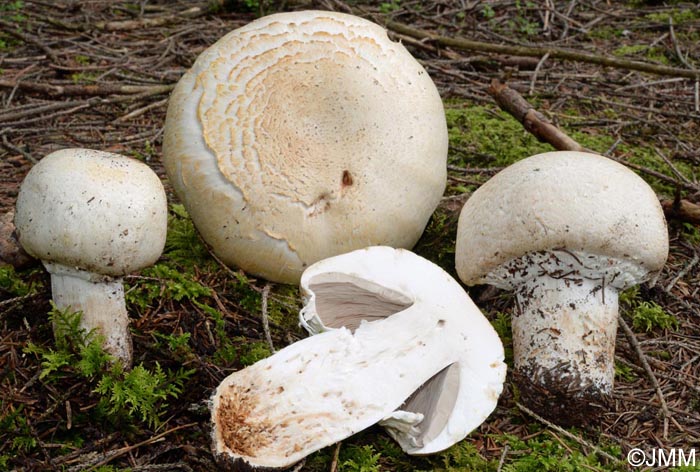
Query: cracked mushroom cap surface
[305, 135]
[92, 210]
[581, 204]
[403, 343]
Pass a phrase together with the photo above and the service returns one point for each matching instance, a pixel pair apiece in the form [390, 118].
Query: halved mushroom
[430, 365]
[305, 135]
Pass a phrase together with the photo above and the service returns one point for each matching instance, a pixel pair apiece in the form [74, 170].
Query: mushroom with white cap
[92, 217]
[305, 135]
[401, 341]
[567, 231]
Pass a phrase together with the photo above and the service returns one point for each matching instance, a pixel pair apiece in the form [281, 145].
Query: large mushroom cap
[305, 135]
[98, 211]
[574, 201]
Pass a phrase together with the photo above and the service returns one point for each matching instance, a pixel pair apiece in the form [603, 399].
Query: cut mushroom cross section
[305, 135]
[430, 354]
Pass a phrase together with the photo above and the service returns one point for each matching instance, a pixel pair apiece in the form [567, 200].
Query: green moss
[545, 452]
[437, 243]
[648, 316]
[679, 16]
[12, 11]
[483, 136]
[13, 284]
[81, 59]
[461, 457]
[183, 245]
[605, 33]
[163, 282]
[655, 54]
[147, 154]
[690, 233]
[84, 77]
[502, 324]
[624, 372]
[123, 396]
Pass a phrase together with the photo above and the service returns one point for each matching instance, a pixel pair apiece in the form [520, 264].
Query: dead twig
[502, 460]
[632, 339]
[96, 90]
[533, 80]
[532, 120]
[265, 319]
[569, 435]
[336, 455]
[682, 210]
[111, 455]
[13, 30]
[539, 51]
[683, 272]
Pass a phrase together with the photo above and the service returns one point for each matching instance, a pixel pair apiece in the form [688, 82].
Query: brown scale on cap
[274, 125]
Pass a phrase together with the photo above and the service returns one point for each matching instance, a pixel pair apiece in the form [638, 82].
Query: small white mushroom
[566, 231]
[305, 135]
[402, 342]
[92, 217]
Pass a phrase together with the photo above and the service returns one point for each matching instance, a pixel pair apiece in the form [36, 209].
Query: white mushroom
[92, 217]
[566, 231]
[305, 135]
[429, 364]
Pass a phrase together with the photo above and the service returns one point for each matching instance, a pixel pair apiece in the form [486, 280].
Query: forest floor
[97, 74]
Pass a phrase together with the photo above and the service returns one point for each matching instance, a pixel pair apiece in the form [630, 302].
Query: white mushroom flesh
[320, 390]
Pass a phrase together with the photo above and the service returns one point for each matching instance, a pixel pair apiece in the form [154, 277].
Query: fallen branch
[96, 90]
[682, 210]
[512, 102]
[531, 119]
[126, 25]
[540, 51]
[13, 30]
[129, 25]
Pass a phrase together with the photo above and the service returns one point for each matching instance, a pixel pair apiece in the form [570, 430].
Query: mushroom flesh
[401, 342]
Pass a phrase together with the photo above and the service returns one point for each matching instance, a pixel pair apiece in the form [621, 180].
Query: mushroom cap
[305, 135]
[93, 210]
[575, 202]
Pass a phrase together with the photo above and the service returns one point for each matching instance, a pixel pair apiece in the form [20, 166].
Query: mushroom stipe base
[558, 402]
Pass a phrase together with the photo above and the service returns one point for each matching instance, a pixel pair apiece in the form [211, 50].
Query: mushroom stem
[564, 344]
[101, 301]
